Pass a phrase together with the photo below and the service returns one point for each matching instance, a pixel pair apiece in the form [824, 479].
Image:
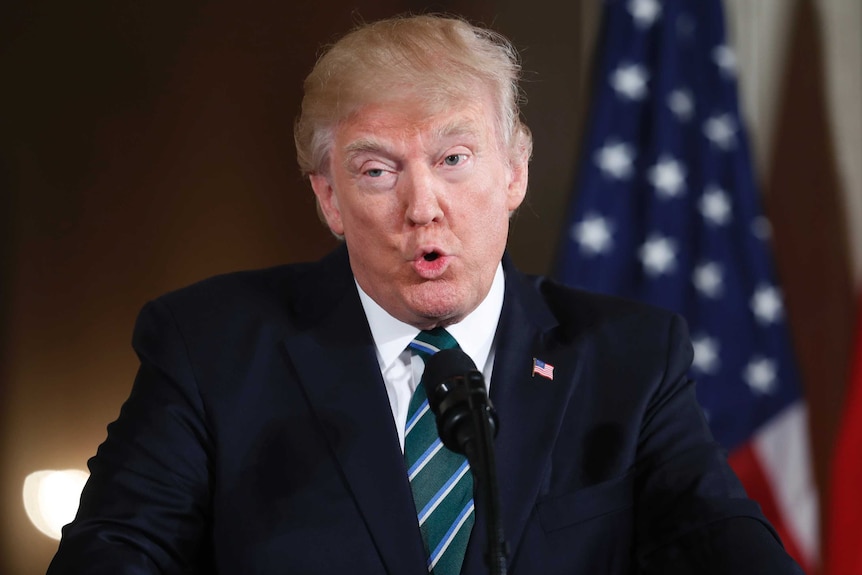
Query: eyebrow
[362, 145]
[371, 145]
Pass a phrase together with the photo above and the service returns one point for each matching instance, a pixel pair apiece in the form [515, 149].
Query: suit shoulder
[577, 309]
[263, 287]
[293, 294]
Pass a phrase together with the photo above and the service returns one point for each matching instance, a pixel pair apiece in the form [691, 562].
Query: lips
[430, 262]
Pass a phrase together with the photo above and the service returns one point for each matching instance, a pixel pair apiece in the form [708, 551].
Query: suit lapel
[336, 365]
[530, 409]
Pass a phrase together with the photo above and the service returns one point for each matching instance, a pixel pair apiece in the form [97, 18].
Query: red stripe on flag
[845, 526]
[747, 466]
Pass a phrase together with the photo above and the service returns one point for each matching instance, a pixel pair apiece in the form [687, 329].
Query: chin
[439, 303]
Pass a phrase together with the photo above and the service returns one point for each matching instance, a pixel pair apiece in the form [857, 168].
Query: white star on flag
[766, 304]
[705, 354]
[760, 375]
[681, 103]
[644, 12]
[714, 205]
[615, 160]
[593, 234]
[761, 228]
[629, 80]
[708, 279]
[658, 255]
[724, 56]
[721, 131]
[667, 177]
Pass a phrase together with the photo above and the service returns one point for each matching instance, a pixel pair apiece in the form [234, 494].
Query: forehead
[413, 116]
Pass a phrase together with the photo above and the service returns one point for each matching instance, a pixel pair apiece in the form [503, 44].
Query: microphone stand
[480, 454]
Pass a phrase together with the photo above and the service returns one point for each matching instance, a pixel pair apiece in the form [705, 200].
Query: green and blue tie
[440, 479]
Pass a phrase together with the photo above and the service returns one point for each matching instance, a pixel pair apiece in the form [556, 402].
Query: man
[271, 426]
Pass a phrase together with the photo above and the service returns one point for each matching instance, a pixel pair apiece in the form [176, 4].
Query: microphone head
[446, 364]
[454, 388]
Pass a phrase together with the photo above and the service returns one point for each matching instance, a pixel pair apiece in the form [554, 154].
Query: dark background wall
[148, 145]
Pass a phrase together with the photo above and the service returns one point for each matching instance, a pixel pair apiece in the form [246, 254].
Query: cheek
[370, 216]
[488, 223]
[494, 206]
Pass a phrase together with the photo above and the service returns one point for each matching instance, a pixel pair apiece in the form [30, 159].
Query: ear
[518, 175]
[327, 203]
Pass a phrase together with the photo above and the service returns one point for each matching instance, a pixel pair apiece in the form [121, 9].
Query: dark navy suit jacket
[258, 438]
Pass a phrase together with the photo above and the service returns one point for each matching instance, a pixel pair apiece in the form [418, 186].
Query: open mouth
[431, 264]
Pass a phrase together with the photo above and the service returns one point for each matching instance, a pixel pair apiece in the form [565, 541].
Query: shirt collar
[475, 333]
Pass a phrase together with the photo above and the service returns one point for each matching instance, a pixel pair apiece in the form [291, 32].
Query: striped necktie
[440, 479]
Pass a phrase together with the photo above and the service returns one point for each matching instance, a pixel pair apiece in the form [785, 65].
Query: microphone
[457, 395]
[467, 423]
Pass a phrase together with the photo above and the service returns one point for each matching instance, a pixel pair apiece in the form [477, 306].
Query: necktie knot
[428, 342]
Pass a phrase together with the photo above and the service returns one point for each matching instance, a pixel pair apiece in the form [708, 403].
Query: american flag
[543, 369]
[666, 212]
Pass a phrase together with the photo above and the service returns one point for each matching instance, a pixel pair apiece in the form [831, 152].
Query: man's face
[423, 201]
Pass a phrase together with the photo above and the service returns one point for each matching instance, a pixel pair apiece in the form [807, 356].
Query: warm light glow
[51, 498]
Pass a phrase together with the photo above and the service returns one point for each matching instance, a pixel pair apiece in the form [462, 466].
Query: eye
[453, 159]
[374, 173]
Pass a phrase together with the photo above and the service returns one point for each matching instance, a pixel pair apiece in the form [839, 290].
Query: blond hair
[440, 59]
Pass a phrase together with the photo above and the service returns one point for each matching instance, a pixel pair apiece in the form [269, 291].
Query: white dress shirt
[402, 370]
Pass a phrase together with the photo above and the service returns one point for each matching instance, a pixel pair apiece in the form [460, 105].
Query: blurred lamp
[51, 498]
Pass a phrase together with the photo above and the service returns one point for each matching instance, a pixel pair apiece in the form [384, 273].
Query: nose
[421, 197]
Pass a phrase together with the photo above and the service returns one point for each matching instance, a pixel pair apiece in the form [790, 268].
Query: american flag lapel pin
[546, 370]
